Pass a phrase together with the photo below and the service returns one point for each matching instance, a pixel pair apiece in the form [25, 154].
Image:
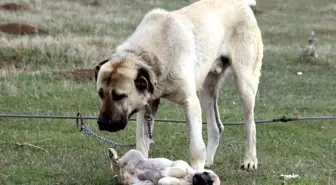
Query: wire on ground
[282, 119]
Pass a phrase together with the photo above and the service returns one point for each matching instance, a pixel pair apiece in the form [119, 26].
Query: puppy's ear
[144, 81]
[98, 68]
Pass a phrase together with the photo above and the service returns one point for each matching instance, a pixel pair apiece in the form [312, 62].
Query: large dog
[133, 168]
[183, 56]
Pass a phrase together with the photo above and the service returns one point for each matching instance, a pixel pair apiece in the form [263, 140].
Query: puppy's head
[124, 85]
[207, 177]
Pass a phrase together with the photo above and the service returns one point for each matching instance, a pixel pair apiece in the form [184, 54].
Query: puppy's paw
[250, 162]
[112, 154]
[169, 181]
[165, 172]
[173, 172]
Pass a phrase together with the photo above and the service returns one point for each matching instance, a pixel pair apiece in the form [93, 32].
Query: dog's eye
[116, 96]
[101, 93]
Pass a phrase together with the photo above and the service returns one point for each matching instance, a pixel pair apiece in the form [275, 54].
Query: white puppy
[135, 169]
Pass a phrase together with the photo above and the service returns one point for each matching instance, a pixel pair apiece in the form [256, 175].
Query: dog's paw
[250, 162]
[208, 163]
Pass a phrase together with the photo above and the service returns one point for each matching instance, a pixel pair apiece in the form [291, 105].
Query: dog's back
[214, 23]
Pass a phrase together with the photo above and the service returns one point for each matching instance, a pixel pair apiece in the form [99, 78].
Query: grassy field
[77, 35]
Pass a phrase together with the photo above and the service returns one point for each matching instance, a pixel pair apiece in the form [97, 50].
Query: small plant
[310, 53]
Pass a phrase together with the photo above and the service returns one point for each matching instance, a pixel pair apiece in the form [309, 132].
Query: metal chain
[81, 126]
[148, 118]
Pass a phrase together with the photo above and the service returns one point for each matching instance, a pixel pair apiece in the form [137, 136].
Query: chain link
[149, 120]
[81, 126]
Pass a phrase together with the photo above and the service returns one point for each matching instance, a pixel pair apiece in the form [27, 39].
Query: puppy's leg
[133, 156]
[208, 97]
[114, 159]
[142, 137]
[192, 108]
[139, 182]
[247, 51]
[170, 181]
[131, 179]
[178, 170]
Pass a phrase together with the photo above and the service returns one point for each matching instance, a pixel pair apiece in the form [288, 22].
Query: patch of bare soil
[19, 29]
[10, 64]
[83, 74]
[14, 66]
[325, 31]
[12, 7]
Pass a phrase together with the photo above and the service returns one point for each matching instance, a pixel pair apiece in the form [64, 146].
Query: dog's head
[124, 85]
[207, 177]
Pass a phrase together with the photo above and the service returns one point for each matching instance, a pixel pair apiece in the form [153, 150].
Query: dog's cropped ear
[144, 81]
[98, 68]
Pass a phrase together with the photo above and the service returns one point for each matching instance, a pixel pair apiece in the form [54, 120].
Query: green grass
[78, 36]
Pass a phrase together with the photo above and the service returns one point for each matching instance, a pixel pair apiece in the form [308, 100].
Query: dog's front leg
[142, 136]
[197, 149]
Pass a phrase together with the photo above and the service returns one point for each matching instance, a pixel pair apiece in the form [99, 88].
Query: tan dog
[135, 168]
[183, 56]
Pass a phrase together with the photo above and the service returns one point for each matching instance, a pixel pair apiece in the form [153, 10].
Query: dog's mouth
[132, 113]
[109, 128]
[112, 126]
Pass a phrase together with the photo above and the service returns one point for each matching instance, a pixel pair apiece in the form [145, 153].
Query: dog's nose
[109, 123]
[102, 120]
[99, 122]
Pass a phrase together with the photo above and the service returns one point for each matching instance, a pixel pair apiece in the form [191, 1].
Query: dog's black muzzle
[105, 123]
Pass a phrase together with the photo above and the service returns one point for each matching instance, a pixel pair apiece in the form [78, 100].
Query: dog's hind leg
[142, 136]
[246, 53]
[208, 97]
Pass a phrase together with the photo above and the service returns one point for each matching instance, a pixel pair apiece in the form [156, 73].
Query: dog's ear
[98, 68]
[144, 81]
